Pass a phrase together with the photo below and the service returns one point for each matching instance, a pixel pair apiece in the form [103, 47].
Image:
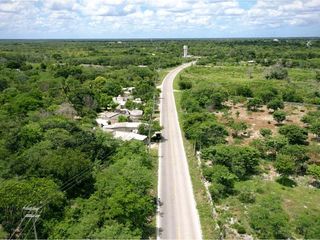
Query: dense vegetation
[251, 108]
[52, 156]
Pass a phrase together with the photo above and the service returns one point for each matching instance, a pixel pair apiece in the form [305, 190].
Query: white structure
[121, 126]
[127, 136]
[121, 101]
[185, 51]
[135, 114]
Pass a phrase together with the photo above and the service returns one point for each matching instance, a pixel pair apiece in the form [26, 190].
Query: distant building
[185, 51]
[276, 40]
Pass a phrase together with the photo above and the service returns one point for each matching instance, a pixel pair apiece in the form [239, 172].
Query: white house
[127, 136]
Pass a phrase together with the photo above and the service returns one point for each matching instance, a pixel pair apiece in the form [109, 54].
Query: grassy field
[295, 202]
[301, 80]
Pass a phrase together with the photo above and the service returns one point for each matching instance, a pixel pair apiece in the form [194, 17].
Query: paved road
[177, 216]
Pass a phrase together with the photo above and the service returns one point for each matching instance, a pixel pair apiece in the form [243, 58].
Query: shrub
[240, 228]
[285, 165]
[294, 134]
[247, 196]
[269, 220]
[279, 116]
[265, 132]
[244, 91]
[308, 225]
[185, 84]
[275, 104]
[276, 72]
[253, 104]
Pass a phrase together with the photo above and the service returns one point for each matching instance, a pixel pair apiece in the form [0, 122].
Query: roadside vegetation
[54, 157]
[251, 111]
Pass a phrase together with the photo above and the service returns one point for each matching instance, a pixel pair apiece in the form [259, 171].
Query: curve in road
[177, 216]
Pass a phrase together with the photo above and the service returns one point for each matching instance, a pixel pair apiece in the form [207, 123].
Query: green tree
[315, 128]
[294, 134]
[254, 104]
[265, 132]
[274, 144]
[15, 194]
[276, 72]
[285, 165]
[184, 84]
[242, 161]
[314, 170]
[244, 91]
[268, 219]
[279, 116]
[275, 104]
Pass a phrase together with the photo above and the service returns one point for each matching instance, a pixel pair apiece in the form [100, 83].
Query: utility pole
[32, 214]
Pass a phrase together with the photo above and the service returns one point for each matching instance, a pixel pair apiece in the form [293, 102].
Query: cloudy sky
[158, 18]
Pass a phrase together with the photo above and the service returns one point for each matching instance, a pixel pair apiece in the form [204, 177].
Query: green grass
[295, 201]
[302, 80]
[203, 204]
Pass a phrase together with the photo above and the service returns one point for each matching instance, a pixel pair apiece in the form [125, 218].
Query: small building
[251, 62]
[122, 126]
[111, 117]
[102, 122]
[135, 114]
[121, 101]
[137, 101]
[127, 136]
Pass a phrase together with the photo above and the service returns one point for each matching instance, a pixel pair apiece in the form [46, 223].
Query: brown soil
[264, 119]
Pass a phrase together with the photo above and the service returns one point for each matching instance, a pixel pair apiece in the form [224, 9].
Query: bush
[279, 116]
[265, 132]
[244, 91]
[318, 75]
[294, 134]
[291, 95]
[276, 72]
[253, 104]
[308, 225]
[185, 84]
[247, 196]
[217, 191]
[285, 165]
[269, 220]
[275, 104]
[241, 160]
[240, 228]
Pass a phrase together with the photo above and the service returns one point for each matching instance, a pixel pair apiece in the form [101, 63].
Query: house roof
[127, 136]
[107, 114]
[136, 112]
[123, 125]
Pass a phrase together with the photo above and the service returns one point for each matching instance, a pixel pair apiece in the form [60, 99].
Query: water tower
[185, 51]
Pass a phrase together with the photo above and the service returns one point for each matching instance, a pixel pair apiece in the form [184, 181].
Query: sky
[158, 18]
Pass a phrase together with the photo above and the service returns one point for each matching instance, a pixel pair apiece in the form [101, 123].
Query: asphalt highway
[177, 213]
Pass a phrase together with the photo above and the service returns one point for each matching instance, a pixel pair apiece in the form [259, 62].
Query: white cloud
[135, 16]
